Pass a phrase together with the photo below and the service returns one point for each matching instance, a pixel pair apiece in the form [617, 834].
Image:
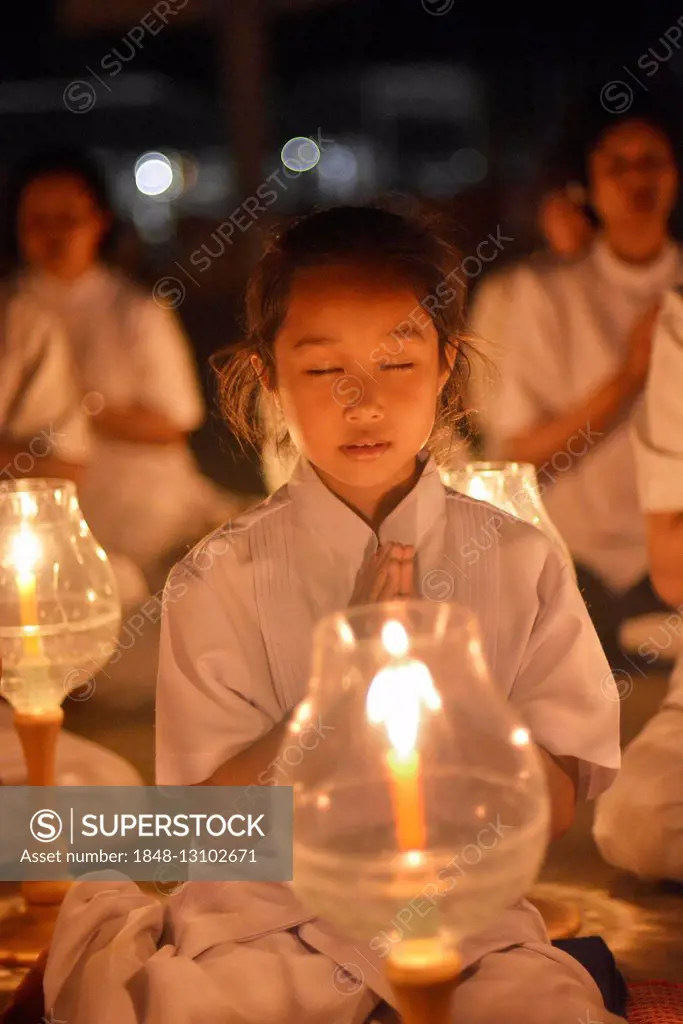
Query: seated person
[363, 518]
[649, 789]
[575, 361]
[143, 493]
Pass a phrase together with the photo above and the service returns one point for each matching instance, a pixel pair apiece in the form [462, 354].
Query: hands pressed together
[388, 575]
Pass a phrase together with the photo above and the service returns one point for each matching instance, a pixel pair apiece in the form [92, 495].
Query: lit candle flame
[25, 551]
[395, 698]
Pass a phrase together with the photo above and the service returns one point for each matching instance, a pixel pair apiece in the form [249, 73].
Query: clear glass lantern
[510, 486]
[426, 781]
[59, 607]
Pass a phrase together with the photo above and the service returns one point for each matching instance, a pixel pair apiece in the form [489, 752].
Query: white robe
[141, 500]
[568, 329]
[39, 395]
[234, 658]
[649, 790]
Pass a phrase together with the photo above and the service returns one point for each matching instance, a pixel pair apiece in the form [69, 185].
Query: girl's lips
[365, 451]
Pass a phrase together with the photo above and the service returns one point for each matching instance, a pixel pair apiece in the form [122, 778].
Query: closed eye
[322, 373]
[398, 366]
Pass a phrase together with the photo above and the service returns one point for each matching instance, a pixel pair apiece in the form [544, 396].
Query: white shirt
[568, 334]
[39, 395]
[240, 610]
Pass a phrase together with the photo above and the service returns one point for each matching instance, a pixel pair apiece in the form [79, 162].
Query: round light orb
[300, 154]
[153, 174]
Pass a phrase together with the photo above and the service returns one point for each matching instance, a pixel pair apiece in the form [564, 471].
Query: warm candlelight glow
[479, 489]
[395, 699]
[24, 553]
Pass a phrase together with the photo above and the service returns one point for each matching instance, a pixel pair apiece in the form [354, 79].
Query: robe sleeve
[658, 424]
[166, 372]
[564, 689]
[530, 373]
[48, 404]
[214, 691]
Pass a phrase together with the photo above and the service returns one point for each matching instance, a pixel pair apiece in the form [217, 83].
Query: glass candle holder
[59, 614]
[59, 607]
[510, 486]
[426, 782]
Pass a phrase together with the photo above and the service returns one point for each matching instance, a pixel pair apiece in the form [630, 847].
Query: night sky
[360, 32]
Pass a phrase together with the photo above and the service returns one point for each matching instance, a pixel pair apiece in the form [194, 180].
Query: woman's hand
[388, 575]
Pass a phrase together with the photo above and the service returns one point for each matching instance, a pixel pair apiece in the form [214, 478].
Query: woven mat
[655, 1002]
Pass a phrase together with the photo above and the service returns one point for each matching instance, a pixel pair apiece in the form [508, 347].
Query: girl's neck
[375, 505]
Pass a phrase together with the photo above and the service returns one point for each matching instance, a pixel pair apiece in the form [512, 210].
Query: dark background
[399, 81]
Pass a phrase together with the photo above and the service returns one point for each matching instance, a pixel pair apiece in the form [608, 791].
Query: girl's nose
[367, 405]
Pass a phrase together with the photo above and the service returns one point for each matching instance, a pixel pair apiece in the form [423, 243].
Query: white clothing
[277, 464]
[238, 617]
[207, 956]
[638, 823]
[658, 433]
[568, 334]
[39, 396]
[649, 790]
[141, 500]
[487, 320]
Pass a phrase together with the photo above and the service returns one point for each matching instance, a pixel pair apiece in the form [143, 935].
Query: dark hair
[76, 163]
[599, 111]
[408, 247]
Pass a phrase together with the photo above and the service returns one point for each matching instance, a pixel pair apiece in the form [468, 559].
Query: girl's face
[60, 226]
[633, 177]
[357, 378]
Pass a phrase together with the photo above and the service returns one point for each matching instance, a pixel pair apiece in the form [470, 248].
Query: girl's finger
[390, 590]
[407, 578]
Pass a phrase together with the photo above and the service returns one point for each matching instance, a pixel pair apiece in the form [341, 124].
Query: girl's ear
[448, 357]
[261, 372]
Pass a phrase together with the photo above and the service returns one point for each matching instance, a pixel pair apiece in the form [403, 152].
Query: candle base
[424, 983]
[25, 928]
[45, 894]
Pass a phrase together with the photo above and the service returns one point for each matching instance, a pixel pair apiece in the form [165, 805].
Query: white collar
[319, 510]
[67, 293]
[648, 277]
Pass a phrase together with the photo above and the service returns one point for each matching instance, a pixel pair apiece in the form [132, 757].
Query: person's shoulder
[488, 531]
[124, 289]
[28, 325]
[231, 548]
[551, 273]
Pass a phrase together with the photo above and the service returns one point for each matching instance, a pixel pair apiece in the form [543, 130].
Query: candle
[26, 551]
[407, 800]
[395, 698]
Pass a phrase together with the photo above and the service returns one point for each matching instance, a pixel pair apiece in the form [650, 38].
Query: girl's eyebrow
[314, 339]
[406, 334]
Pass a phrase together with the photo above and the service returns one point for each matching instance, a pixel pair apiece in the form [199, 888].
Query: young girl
[353, 328]
[143, 494]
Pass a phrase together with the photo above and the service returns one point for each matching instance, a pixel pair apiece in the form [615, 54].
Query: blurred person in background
[143, 493]
[566, 232]
[43, 431]
[577, 351]
[649, 788]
